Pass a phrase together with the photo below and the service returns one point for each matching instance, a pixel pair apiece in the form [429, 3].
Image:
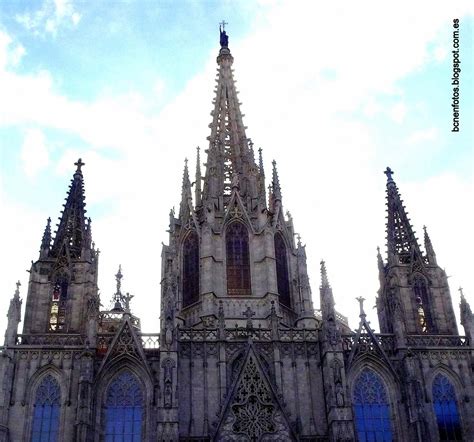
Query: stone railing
[437, 341]
[150, 341]
[366, 344]
[51, 340]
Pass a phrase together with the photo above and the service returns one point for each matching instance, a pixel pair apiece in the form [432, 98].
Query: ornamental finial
[224, 38]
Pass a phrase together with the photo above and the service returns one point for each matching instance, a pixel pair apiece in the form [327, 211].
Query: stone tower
[241, 353]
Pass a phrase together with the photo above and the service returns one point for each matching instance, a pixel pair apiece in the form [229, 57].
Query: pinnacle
[324, 275]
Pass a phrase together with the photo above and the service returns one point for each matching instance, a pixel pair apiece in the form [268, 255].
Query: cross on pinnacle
[361, 302]
[222, 24]
[389, 172]
[79, 164]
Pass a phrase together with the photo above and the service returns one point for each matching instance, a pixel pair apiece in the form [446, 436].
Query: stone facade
[241, 354]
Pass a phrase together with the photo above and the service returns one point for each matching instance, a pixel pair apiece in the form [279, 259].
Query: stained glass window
[124, 409]
[238, 261]
[423, 311]
[191, 269]
[446, 409]
[371, 409]
[283, 282]
[46, 411]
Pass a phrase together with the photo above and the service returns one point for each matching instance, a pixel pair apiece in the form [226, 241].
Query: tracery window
[57, 315]
[238, 260]
[422, 306]
[124, 409]
[47, 406]
[446, 409]
[371, 408]
[283, 282]
[191, 269]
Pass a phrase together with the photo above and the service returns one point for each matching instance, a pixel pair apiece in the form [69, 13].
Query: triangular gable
[236, 209]
[126, 343]
[366, 342]
[252, 411]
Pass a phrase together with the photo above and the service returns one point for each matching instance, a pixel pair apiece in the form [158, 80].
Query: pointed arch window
[283, 282]
[191, 269]
[446, 409]
[420, 289]
[238, 260]
[57, 316]
[371, 408]
[46, 412]
[124, 409]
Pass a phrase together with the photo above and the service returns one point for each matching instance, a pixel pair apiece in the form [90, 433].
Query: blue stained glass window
[371, 409]
[124, 409]
[46, 411]
[446, 409]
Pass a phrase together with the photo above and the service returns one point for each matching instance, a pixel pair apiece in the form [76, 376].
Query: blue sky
[334, 92]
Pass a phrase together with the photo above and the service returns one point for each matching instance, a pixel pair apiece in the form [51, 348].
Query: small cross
[248, 314]
[79, 164]
[222, 24]
[389, 172]
[18, 284]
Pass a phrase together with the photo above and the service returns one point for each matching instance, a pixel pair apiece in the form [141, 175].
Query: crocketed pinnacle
[326, 296]
[276, 182]
[72, 227]
[402, 244]
[197, 189]
[46, 240]
[430, 253]
[186, 197]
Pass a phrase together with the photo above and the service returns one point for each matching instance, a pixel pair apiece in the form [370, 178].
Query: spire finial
[324, 275]
[361, 306]
[224, 38]
[460, 290]
[117, 298]
[197, 189]
[389, 172]
[17, 291]
[79, 165]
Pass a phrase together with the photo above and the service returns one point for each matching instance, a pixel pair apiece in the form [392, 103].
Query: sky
[333, 91]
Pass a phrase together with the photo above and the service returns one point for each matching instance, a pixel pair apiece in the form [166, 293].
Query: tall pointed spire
[401, 241]
[430, 253]
[46, 240]
[229, 151]
[186, 196]
[72, 224]
[197, 189]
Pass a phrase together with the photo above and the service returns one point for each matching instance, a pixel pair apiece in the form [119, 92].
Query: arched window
[238, 261]
[124, 409]
[422, 306]
[191, 269]
[446, 409]
[371, 408]
[46, 411]
[57, 316]
[283, 282]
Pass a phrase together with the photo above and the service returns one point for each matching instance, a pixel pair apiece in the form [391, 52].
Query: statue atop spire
[224, 38]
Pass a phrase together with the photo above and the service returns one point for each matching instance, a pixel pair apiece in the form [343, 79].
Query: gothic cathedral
[242, 354]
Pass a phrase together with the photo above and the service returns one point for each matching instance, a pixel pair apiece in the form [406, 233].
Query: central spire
[230, 154]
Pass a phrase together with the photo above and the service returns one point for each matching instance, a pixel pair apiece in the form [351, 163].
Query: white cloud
[34, 153]
[52, 15]
[398, 112]
[430, 134]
